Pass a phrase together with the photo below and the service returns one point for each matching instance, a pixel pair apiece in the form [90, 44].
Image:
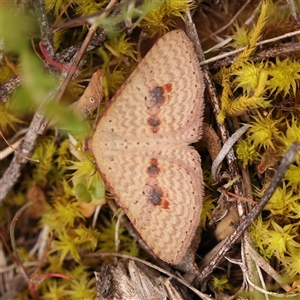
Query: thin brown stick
[287, 159]
[13, 241]
[230, 22]
[13, 172]
[15, 150]
[8, 87]
[241, 198]
[62, 12]
[40, 121]
[230, 53]
[46, 34]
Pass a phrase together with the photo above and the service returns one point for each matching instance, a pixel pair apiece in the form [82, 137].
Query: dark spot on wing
[157, 95]
[155, 195]
[154, 122]
[153, 170]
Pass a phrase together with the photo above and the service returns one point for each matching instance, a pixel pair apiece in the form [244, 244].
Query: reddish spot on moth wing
[141, 146]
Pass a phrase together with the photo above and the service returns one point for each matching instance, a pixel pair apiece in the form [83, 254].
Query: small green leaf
[97, 188]
[82, 193]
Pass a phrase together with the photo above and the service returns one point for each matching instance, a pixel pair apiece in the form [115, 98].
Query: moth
[141, 146]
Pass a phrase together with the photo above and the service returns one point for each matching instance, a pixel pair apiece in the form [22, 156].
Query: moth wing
[141, 146]
[161, 194]
[164, 94]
